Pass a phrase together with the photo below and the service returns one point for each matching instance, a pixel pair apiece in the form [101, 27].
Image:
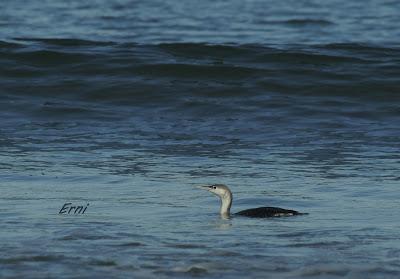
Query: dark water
[129, 105]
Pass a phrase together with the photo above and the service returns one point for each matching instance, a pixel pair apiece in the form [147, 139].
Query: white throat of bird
[225, 196]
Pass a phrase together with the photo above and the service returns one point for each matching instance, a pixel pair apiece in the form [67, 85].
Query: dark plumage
[265, 212]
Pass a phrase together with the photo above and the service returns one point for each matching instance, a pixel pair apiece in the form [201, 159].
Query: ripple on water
[186, 246]
[344, 270]
[102, 262]
[131, 244]
[192, 270]
[33, 258]
[317, 244]
[85, 236]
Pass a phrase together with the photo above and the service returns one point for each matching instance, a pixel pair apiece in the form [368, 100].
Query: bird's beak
[204, 187]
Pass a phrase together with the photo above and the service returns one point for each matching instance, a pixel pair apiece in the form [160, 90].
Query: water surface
[129, 105]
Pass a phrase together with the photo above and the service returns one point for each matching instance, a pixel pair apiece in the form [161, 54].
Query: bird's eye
[214, 187]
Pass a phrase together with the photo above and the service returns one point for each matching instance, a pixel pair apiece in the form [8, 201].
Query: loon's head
[223, 192]
[219, 190]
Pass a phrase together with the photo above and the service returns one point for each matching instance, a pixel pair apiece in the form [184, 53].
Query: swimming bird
[225, 194]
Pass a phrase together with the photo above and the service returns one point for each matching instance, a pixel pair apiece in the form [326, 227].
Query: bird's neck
[226, 202]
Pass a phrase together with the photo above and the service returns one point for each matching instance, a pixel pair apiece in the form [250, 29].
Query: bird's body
[225, 194]
[265, 212]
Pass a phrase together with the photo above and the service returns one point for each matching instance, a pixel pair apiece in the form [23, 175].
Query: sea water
[124, 107]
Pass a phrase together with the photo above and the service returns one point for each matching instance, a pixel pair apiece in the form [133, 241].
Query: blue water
[249, 21]
[128, 106]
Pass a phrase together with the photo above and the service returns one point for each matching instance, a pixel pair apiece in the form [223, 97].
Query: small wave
[36, 258]
[80, 236]
[132, 244]
[187, 246]
[368, 48]
[198, 50]
[324, 270]
[98, 262]
[196, 71]
[308, 21]
[44, 58]
[9, 45]
[307, 57]
[192, 270]
[317, 244]
[66, 42]
[296, 22]
[51, 109]
[226, 253]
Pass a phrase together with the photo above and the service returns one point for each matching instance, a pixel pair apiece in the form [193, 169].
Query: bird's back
[265, 212]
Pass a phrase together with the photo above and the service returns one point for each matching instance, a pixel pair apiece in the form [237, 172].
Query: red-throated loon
[223, 192]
